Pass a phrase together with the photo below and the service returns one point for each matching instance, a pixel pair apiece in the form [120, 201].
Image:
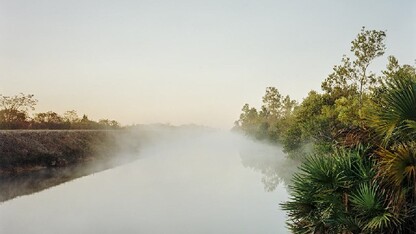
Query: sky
[184, 62]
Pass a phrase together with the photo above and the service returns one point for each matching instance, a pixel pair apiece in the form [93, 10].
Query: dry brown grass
[32, 149]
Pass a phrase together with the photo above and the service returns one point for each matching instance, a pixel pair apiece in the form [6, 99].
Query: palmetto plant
[397, 172]
[394, 121]
[398, 166]
[313, 203]
[370, 208]
[338, 193]
[394, 117]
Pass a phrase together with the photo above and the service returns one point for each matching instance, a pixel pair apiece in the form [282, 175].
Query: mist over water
[183, 181]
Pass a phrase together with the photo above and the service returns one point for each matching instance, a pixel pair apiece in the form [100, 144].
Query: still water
[185, 182]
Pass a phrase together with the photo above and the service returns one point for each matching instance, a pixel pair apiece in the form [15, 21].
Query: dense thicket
[14, 114]
[357, 141]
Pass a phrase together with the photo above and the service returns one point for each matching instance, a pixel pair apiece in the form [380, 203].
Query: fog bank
[184, 180]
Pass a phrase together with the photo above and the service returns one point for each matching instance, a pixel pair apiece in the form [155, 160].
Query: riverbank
[31, 150]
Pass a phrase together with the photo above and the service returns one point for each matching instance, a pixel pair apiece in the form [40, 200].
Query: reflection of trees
[12, 186]
[272, 163]
[26, 183]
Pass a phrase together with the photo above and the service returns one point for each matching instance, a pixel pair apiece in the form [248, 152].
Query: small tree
[14, 110]
[353, 75]
[71, 117]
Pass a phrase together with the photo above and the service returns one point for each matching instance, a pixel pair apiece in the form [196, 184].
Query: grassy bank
[23, 150]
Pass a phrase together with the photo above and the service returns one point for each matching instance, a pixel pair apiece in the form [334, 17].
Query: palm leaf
[382, 221]
[393, 119]
[398, 166]
[369, 204]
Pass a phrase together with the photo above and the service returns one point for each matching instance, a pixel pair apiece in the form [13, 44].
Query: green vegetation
[357, 142]
[14, 114]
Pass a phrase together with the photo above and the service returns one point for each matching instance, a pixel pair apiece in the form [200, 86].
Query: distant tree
[272, 103]
[273, 119]
[84, 118]
[248, 119]
[71, 117]
[114, 124]
[85, 123]
[109, 124]
[14, 110]
[13, 119]
[288, 106]
[14, 114]
[49, 120]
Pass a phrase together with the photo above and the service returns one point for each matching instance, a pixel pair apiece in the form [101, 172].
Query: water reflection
[270, 160]
[184, 183]
[26, 183]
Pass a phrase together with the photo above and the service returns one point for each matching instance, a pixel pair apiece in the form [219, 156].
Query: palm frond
[398, 166]
[393, 119]
[365, 200]
[382, 222]
[369, 204]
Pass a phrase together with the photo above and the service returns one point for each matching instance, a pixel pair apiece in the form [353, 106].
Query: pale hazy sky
[183, 62]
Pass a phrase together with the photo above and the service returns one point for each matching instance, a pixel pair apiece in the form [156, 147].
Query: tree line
[14, 114]
[357, 142]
